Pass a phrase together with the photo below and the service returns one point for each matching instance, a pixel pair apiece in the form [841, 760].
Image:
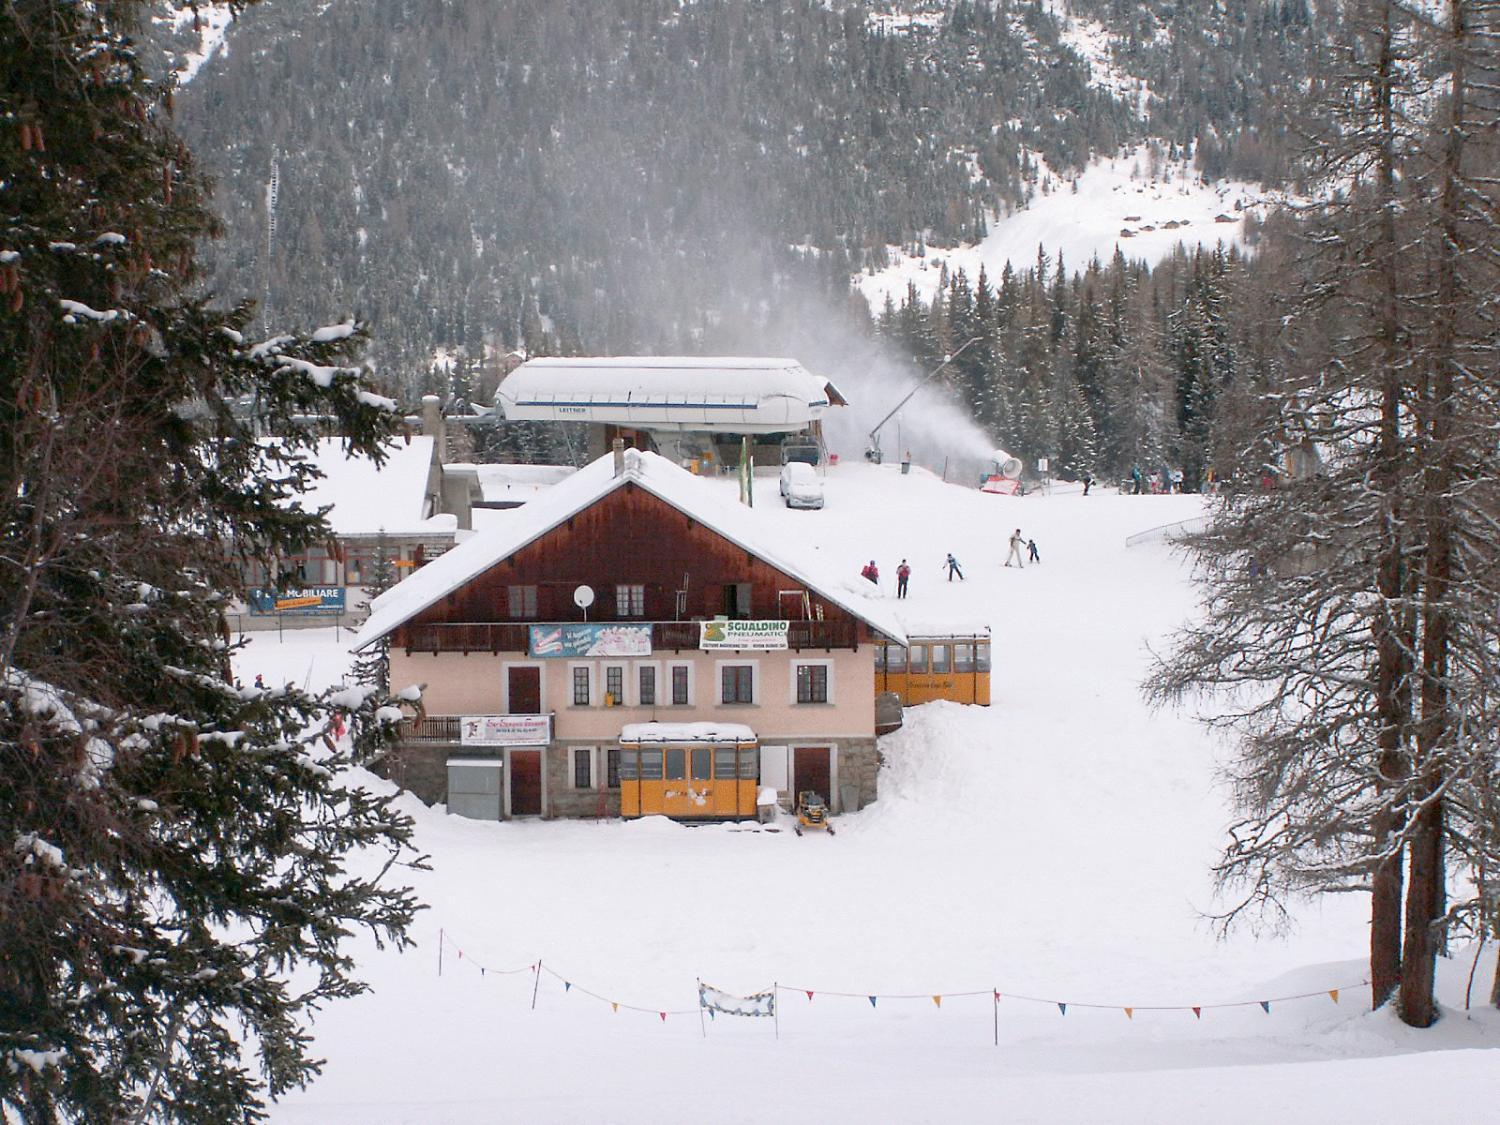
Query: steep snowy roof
[368, 498]
[658, 476]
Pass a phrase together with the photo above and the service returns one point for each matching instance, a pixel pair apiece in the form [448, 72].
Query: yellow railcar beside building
[950, 665]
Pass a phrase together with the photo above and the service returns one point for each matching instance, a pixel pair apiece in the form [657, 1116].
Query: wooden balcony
[666, 636]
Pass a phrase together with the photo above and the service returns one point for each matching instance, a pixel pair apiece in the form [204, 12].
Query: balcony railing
[666, 636]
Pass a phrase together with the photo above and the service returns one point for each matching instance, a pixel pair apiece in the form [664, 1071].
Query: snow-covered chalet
[632, 642]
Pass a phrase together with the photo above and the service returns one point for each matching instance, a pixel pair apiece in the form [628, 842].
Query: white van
[800, 485]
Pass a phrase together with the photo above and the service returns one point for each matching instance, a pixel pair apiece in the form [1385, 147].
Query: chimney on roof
[618, 445]
[432, 416]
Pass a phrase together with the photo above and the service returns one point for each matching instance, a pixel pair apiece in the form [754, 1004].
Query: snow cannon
[1003, 476]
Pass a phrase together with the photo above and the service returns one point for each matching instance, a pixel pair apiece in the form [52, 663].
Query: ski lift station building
[667, 397]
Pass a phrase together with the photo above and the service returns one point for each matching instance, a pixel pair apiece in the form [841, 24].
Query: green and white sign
[763, 636]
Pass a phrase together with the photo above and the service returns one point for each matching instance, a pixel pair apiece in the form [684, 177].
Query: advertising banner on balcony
[310, 601]
[505, 730]
[603, 639]
[762, 636]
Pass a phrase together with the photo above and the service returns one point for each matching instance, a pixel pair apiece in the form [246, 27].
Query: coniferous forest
[650, 176]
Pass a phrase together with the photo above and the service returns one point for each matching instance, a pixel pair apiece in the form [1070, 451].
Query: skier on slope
[1017, 541]
[903, 573]
[871, 573]
[953, 568]
[1031, 551]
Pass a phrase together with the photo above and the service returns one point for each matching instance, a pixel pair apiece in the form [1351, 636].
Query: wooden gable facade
[646, 561]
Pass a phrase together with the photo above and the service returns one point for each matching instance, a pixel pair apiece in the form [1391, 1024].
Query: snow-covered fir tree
[177, 845]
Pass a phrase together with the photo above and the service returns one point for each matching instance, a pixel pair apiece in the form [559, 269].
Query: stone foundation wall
[565, 801]
[859, 764]
[422, 769]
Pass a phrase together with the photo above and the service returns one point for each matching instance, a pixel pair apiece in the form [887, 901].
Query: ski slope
[1053, 846]
[1119, 202]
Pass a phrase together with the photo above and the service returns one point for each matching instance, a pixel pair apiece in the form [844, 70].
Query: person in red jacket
[871, 573]
[903, 572]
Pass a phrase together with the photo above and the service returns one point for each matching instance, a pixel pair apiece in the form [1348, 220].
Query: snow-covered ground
[1119, 202]
[1054, 846]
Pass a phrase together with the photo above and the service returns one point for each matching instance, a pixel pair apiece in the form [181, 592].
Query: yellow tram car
[953, 665]
[688, 778]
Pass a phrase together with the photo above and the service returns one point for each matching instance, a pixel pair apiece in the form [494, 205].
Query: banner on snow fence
[760, 1004]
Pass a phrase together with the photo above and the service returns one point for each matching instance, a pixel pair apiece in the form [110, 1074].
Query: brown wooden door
[811, 770]
[523, 691]
[526, 782]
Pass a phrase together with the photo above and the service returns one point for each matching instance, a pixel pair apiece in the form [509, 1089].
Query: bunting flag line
[763, 1003]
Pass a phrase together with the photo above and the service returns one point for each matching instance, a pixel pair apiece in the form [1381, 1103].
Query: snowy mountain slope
[1092, 42]
[1142, 205]
[1055, 845]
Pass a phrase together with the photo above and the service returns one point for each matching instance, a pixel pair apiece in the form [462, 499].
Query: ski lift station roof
[720, 394]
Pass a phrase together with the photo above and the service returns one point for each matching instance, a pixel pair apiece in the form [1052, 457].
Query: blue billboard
[307, 601]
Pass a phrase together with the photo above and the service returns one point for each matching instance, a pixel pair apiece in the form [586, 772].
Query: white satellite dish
[583, 597]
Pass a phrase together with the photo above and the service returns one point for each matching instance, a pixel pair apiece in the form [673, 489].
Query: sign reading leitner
[761, 635]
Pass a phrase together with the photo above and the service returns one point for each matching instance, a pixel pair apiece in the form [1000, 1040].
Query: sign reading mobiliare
[761, 635]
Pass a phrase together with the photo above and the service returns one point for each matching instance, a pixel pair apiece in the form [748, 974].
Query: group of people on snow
[870, 572]
[1017, 542]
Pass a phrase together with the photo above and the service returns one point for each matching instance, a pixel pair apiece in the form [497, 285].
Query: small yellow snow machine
[812, 813]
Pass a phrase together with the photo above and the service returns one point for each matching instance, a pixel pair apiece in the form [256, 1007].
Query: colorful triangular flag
[711, 1014]
[614, 1005]
[872, 1001]
[809, 996]
[997, 996]
[1198, 1013]
[1130, 1013]
[663, 1016]
[938, 1000]
[567, 986]
[1335, 994]
[1061, 1007]
[481, 970]
[1265, 1006]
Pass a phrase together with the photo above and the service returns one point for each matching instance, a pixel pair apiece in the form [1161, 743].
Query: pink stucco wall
[475, 685]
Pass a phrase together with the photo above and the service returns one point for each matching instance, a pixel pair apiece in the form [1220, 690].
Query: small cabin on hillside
[631, 640]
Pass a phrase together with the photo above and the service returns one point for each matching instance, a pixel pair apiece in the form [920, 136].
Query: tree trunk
[1392, 646]
[1426, 894]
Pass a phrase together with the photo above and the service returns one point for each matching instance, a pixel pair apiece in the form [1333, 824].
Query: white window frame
[624, 668]
[595, 699]
[630, 612]
[594, 763]
[633, 689]
[755, 682]
[798, 662]
[692, 683]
